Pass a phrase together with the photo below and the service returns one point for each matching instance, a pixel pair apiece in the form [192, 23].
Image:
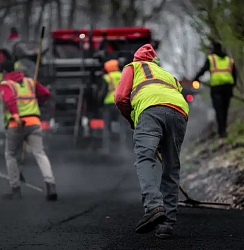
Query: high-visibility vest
[112, 79]
[152, 85]
[25, 95]
[220, 70]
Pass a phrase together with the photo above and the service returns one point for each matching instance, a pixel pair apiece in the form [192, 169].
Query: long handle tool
[194, 203]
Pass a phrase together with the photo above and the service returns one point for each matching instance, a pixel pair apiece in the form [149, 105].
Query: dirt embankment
[213, 168]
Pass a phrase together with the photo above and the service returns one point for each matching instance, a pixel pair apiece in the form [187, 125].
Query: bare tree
[123, 13]
[72, 13]
[27, 14]
[39, 21]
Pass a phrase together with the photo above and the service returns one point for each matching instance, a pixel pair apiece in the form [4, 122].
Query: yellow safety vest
[25, 95]
[220, 70]
[152, 85]
[112, 80]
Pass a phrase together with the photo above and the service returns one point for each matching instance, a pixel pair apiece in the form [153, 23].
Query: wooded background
[184, 27]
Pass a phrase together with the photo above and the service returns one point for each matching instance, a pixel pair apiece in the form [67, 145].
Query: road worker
[110, 113]
[150, 99]
[20, 97]
[222, 80]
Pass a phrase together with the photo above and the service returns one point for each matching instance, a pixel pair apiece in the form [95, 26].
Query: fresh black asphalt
[98, 208]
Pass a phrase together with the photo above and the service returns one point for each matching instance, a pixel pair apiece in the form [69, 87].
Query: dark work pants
[165, 126]
[110, 114]
[221, 101]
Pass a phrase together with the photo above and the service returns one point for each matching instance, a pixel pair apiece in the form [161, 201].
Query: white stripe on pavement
[25, 183]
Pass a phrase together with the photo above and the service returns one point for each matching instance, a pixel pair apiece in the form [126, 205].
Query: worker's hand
[20, 123]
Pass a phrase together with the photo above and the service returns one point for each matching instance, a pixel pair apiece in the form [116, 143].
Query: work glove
[20, 123]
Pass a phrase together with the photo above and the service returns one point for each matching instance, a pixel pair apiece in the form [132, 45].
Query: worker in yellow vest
[110, 113]
[150, 99]
[222, 80]
[20, 96]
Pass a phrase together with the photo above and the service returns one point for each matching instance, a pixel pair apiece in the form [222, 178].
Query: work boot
[51, 192]
[15, 193]
[164, 232]
[151, 219]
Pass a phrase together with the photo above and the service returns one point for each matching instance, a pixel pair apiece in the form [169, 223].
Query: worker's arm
[123, 92]
[202, 70]
[42, 94]
[9, 100]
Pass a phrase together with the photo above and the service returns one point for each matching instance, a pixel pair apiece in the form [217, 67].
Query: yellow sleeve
[180, 87]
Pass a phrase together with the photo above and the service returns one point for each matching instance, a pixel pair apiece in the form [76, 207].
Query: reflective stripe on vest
[147, 82]
[150, 80]
[20, 97]
[27, 104]
[215, 67]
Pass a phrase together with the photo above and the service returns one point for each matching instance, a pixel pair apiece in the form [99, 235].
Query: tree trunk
[59, 14]
[26, 21]
[72, 12]
[129, 15]
[39, 22]
[115, 5]
[95, 12]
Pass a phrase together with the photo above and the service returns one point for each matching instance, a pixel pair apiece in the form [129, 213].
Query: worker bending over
[150, 99]
[222, 80]
[20, 97]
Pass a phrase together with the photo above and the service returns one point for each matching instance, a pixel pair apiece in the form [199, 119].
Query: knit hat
[111, 65]
[13, 33]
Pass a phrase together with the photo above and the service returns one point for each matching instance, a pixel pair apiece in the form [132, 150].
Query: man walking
[150, 99]
[222, 80]
[20, 97]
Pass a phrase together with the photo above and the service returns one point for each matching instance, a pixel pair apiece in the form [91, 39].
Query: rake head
[204, 204]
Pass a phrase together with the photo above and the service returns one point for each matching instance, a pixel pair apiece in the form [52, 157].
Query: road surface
[98, 208]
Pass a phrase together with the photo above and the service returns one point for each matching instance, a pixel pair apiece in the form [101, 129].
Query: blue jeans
[164, 126]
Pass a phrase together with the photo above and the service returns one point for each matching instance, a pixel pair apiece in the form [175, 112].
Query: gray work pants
[110, 114]
[165, 126]
[15, 138]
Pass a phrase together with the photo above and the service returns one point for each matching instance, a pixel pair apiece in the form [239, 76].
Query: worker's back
[112, 79]
[220, 70]
[152, 85]
[25, 94]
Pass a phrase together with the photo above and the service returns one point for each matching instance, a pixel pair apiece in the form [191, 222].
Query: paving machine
[74, 72]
